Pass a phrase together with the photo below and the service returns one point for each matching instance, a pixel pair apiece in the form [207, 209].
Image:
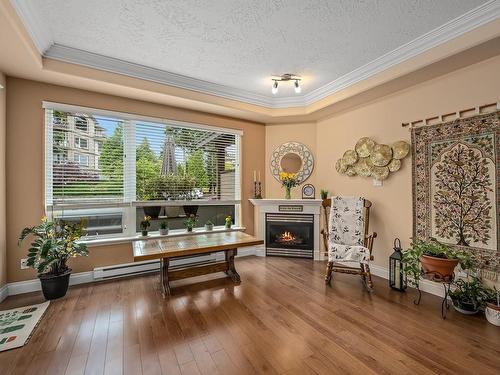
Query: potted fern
[54, 242]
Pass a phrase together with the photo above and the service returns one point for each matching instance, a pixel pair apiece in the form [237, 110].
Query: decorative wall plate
[299, 149]
[363, 167]
[340, 166]
[381, 155]
[364, 147]
[380, 173]
[394, 165]
[308, 191]
[400, 149]
[350, 157]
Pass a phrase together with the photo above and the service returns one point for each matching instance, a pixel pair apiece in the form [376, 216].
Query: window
[81, 123]
[82, 143]
[98, 146]
[135, 166]
[82, 160]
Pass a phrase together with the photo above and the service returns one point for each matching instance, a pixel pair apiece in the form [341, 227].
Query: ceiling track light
[286, 77]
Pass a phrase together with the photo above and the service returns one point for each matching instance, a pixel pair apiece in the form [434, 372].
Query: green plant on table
[163, 225]
[54, 242]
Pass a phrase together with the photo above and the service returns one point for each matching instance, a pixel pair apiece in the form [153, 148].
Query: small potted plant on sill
[163, 228]
[469, 295]
[54, 243]
[492, 310]
[228, 222]
[434, 261]
[145, 224]
[209, 226]
[190, 222]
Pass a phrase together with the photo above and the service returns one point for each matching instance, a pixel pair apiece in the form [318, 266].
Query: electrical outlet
[377, 182]
[24, 263]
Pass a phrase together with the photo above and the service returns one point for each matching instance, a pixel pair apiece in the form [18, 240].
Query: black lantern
[397, 277]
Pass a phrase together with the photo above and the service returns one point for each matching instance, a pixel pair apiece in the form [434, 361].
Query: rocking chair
[362, 269]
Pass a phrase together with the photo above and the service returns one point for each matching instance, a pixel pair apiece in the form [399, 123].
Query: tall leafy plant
[54, 242]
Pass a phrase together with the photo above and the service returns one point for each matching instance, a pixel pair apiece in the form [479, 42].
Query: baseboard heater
[137, 268]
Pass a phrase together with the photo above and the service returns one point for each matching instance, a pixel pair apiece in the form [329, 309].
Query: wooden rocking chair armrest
[369, 241]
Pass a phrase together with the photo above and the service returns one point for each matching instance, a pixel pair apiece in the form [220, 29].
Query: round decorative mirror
[291, 163]
[292, 157]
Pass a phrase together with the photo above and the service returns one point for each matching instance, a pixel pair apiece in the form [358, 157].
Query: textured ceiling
[241, 43]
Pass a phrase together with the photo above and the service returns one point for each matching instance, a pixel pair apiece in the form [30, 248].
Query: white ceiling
[238, 44]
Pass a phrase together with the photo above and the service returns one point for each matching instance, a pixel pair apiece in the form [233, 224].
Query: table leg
[165, 288]
[231, 270]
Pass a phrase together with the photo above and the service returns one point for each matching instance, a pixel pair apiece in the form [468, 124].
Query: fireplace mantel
[295, 206]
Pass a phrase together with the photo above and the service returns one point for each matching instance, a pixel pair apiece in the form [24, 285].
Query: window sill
[156, 236]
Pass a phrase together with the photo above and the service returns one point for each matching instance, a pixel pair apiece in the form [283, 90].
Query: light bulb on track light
[298, 89]
[274, 90]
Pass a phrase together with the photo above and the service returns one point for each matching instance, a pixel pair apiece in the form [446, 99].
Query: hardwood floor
[280, 320]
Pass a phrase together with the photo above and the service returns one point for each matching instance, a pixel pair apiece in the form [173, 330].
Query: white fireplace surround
[264, 206]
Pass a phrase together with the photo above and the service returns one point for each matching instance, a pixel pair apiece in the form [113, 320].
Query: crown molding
[40, 35]
[473, 19]
[110, 64]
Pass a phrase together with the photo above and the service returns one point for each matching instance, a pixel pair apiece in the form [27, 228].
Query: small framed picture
[308, 191]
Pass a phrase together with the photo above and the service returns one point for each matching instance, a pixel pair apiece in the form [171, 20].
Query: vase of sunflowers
[288, 181]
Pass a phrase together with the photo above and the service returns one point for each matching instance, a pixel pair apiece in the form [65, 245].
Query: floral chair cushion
[347, 230]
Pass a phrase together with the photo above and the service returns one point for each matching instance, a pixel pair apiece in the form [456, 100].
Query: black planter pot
[55, 286]
[464, 307]
[152, 211]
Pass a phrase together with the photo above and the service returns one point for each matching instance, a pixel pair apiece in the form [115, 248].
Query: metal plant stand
[446, 281]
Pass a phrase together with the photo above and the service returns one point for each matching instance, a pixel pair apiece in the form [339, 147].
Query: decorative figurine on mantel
[257, 185]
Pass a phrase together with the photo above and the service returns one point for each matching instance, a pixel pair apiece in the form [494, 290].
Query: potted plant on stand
[433, 260]
[190, 222]
[209, 225]
[54, 243]
[145, 224]
[163, 228]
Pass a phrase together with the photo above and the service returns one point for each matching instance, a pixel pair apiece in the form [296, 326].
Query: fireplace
[290, 235]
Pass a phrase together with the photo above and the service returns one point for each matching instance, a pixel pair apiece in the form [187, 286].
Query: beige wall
[392, 203]
[25, 165]
[3, 244]
[275, 136]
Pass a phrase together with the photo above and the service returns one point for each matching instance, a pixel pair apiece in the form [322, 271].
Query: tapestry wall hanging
[456, 186]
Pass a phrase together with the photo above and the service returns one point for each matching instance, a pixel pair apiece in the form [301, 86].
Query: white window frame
[78, 156]
[78, 141]
[129, 204]
[77, 118]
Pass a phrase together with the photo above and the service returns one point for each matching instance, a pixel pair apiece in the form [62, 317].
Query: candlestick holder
[257, 190]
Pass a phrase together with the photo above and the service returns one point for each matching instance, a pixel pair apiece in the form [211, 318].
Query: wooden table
[194, 244]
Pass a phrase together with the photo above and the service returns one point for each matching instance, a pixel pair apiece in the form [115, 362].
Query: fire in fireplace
[290, 235]
[288, 238]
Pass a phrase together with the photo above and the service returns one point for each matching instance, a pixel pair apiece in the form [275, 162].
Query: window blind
[95, 159]
[84, 158]
[179, 163]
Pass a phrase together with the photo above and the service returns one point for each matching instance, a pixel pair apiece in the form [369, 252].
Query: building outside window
[186, 168]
